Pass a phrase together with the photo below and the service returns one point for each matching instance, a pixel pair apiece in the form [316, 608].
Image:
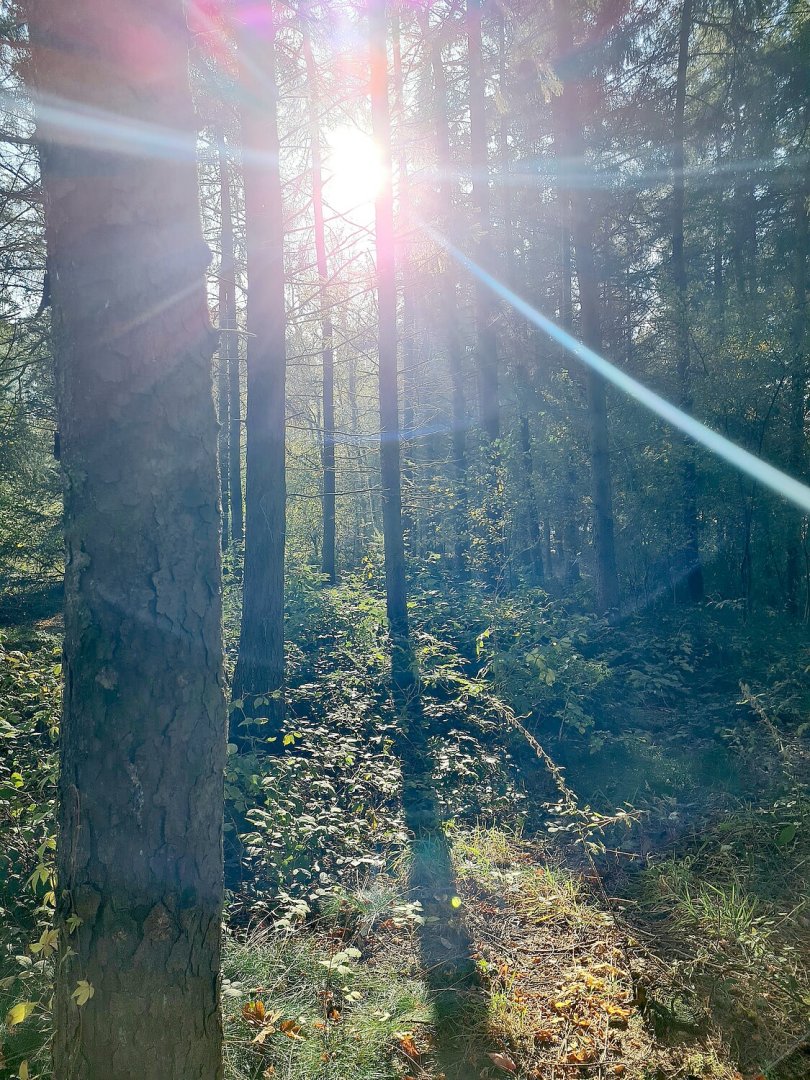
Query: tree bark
[260, 664]
[143, 725]
[395, 582]
[327, 338]
[692, 570]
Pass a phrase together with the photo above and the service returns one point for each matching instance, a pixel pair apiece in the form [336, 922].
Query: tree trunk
[395, 583]
[235, 443]
[692, 570]
[798, 393]
[485, 312]
[449, 306]
[408, 304]
[260, 664]
[534, 549]
[568, 136]
[327, 338]
[143, 725]
[227, 322]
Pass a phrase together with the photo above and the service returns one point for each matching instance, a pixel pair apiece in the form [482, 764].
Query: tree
[395, 583]
[327, 338]
[143, 732]
[572, 152]
[448, 289]
[228, 357]
[693, 570]
[260, 664]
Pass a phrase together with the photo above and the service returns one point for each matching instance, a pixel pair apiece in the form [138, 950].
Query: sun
[354, 168]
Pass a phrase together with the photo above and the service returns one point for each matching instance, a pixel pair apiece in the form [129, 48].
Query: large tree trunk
[327, 340]
[449, 306]
[692, 585]
[568, 136]
[227, 317]
[260, 664]
[395, 583]
[143, 727]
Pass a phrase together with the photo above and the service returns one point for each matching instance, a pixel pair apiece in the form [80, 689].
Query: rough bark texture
[395, 584]
[692, 570]
[143, 730]
[260, 664]
[327, 340]
[568, 136]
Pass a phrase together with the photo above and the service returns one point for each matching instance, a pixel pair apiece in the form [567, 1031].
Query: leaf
[23, 1073]
[19, 1012]
[254, 1012]
[290, 1028]
[46, 944]
[83, 992]
[787, 835]
[503, 1061]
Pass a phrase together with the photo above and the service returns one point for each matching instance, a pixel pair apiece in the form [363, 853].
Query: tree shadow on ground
[446, 948]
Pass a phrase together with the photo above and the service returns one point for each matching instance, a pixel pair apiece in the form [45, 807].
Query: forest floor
[524, 926]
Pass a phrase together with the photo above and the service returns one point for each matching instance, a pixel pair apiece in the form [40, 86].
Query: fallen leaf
[408, 1046]
[503, 1061]
[254, 1012]
[290, 1029]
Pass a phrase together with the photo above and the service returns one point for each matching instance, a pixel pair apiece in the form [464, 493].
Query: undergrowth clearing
[642, 914]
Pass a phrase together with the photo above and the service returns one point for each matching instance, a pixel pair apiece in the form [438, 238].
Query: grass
[319, 1017]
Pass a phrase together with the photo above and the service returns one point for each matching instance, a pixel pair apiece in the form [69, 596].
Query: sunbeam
[771, 477]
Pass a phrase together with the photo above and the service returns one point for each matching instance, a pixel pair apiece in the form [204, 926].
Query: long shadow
[446, 948]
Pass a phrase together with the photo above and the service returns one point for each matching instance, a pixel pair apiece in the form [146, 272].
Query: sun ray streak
[786, 486]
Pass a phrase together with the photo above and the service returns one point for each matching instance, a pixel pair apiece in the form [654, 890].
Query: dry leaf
[503, 1061]
[254, 1012]
[407, 1045]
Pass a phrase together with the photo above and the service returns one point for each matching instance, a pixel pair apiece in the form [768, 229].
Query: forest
[404, 540]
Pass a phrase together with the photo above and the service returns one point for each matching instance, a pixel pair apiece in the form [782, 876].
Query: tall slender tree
[395, 582]
[487, 343]
[449, 301]
[143, 730]
[571, 152]
[327, 337]
[693, 569]
[227, 322]
[260, 663]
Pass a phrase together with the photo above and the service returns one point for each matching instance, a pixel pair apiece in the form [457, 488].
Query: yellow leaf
[17, 1013]
[83, 992]
[23, 1073]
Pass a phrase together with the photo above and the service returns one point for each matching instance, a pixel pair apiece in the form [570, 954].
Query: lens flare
[778, 481]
